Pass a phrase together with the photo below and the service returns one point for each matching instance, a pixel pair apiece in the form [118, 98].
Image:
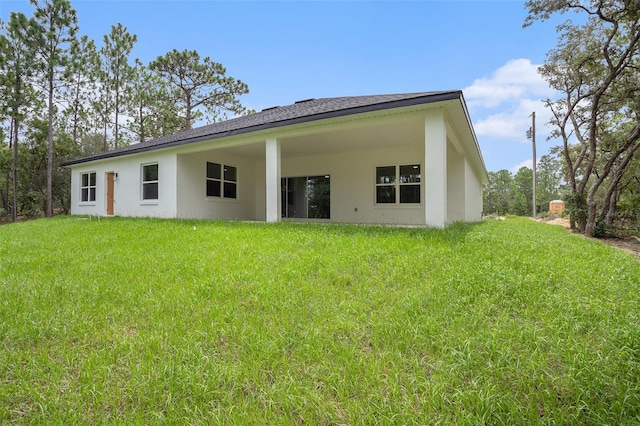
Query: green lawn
[167, 321]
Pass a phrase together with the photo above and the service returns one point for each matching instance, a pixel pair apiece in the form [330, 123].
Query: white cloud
[513, 122]
[517, 79]
[501, 105]
[526, 163]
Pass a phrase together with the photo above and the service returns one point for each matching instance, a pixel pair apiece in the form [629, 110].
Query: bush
[544, 215]
[603, 230]
[30, 204]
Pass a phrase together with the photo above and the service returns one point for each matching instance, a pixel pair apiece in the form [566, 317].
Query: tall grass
[168, 321]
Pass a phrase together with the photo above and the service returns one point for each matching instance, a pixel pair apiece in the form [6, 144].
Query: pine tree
[58, 25]
[199, 87]
[17, 95]
[116, 72]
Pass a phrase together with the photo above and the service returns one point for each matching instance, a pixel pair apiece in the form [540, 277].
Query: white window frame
[397, 184]
[221, 181]
[147, 182]
[89, 187]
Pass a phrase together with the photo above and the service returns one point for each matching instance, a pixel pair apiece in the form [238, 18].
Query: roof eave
[485, 174]
[426, 99]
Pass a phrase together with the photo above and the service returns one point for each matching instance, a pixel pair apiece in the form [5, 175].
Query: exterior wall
[128, 187]
[260, 171]
[455, 185]
[473, 194]
[90, 208]
[353, 183]
[192, 200]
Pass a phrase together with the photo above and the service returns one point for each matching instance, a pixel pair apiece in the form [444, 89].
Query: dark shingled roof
[299, 112]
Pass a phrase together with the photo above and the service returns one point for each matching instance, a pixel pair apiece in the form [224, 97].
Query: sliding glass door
[306, 197]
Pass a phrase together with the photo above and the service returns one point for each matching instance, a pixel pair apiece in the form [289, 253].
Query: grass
[167, 321]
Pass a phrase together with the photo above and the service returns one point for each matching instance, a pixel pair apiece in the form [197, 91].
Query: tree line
[595, 68]
[508, 193]
[62, 95]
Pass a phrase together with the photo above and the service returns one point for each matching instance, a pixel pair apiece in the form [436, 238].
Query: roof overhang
[453, 100]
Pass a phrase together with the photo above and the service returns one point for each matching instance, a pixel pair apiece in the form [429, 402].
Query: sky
[292, 50]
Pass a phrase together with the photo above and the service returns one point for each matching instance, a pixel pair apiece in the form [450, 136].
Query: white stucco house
[396, 159]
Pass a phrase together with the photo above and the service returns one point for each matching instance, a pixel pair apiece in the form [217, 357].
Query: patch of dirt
[555, 221]
[630, 245]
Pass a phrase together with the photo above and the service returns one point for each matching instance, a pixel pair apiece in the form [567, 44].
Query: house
[397, 159]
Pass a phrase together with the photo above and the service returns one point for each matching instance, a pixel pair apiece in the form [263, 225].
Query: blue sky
[291, 50]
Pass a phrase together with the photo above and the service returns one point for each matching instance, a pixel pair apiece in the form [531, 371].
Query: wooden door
[110, 176]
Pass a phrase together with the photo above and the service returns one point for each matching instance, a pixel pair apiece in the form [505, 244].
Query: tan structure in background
[556, 206]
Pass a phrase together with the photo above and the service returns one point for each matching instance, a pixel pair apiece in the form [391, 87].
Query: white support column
[273, 195]
[435, 173]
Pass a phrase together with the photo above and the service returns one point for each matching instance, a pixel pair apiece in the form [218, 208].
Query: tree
[33, 169]
[16, 92]
[5, 174]
[150, 105]
[549, 180]
[100, 112]
[90, 144]
[143, 92]
[57, 27]
[497, 194]
[628, 195]
[199, 88]
[522, 192]
[595, 67]
[83, 76]
[116, 74]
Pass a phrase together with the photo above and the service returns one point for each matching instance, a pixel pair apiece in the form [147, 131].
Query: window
[150, 181]
[398, 184]
[410, 184]
[222, 180]
[386, 184]
[88, 187]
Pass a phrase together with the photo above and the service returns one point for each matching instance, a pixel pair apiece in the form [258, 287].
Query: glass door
[306, 197]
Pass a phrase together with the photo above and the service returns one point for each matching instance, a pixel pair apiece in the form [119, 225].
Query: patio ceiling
[329, 140]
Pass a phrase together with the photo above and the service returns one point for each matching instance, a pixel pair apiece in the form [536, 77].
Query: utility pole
[531, 134]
